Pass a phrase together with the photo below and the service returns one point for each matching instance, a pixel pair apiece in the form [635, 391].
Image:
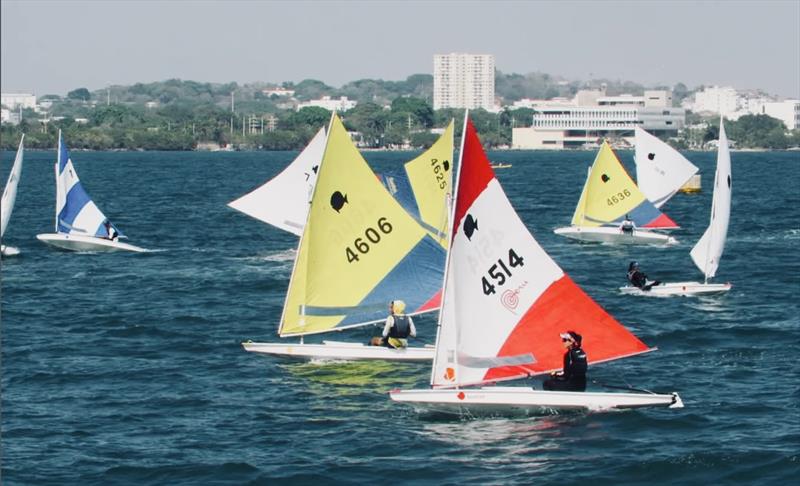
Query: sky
[55, 46]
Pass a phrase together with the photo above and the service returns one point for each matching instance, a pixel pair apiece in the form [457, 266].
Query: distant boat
[80, 225]
[10, 197]
[661, 170]
[504, 306]
[708, 250]
[501, 166]
[609, 198]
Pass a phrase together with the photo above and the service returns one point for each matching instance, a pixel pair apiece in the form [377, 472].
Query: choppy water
[127, 369]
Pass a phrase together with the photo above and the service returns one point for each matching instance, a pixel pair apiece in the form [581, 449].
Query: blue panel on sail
[77, 198]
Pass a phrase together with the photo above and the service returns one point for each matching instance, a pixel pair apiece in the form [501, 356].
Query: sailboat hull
[686, 289]
[604, 234]
[85, 243]
[8, 251]
[344, 351]
[526, 401]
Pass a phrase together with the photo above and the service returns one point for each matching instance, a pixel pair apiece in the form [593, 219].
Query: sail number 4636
[500, 270]
[618, 197]
[371, 235]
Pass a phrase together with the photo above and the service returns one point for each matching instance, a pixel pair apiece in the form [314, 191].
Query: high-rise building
[463, 81]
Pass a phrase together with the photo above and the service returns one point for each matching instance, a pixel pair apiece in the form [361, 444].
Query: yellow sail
[610, 194]
[359, 250]
[431, 179]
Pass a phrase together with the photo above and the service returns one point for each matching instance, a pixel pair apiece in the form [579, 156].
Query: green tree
[81, 94]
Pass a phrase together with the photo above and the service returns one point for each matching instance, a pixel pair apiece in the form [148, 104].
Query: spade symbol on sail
[470, 225]
[651, 156]
[729, 182]
[315, 168]
[446, 165]
[338, 200]
[605, 178]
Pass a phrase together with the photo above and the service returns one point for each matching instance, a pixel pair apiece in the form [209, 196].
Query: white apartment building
[786, 111]
[278, 91]
[591, 116]
[341, 104]
[13, 101]
[725, 101]
[463, 81]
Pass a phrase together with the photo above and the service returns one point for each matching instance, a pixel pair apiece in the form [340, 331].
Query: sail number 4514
[618, 197]
[500, 270]
[371, 235]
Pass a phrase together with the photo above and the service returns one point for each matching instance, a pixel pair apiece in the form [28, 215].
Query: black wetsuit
[574, 376]
[638, 279]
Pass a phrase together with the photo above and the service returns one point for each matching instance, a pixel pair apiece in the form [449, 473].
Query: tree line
[177, 115]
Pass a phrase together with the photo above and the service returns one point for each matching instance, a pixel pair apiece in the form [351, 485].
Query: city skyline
[52, 47]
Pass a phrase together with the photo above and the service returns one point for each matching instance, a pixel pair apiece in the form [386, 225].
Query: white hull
[8, 251]
[526, 401]
[686, 289]
[85, 243]
[604, 234]
[332, 350]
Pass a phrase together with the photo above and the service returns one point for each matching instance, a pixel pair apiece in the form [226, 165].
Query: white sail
[10, 191]
[284, 200]
[707, 252]
[660, 169]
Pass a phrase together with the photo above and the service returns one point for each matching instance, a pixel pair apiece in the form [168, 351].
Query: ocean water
[128, 369]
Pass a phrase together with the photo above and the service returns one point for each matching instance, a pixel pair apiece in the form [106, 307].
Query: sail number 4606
[618, 197]
[371, 235]
[500, 270]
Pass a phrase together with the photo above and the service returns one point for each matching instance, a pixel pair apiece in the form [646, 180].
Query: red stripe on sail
[564, 307]
[662, 221]
[475, 174]
[432, 304]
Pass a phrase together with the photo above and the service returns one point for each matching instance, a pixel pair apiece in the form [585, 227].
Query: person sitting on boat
[398, 327]
[111, 232]
[573, 376]
[627, 226]
[638, 278]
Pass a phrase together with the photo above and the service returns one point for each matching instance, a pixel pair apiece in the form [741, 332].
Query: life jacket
[578, 363]
[401, 328]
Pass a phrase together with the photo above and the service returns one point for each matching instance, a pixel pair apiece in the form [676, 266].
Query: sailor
[638, 278]
[627, 226]
[397, 329]
[111, 232]
[573, 376]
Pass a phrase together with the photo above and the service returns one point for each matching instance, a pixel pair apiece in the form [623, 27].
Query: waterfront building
[463, 81]
[278, 91]
[592, 116]
[13, 101]
[341, 104]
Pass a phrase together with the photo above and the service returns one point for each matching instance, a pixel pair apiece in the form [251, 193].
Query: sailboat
[283, 200]
[609, 197]
[660, 169]
[80, 225]
[359, 250]
[10, 197]
[505, 303]
[708, 250]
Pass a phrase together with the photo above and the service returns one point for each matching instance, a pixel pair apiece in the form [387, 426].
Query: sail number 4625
[371, 235]
[500, 270]
[438, 171]
[618, 197]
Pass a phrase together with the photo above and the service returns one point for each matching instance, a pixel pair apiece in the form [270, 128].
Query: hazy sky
[51, 46]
